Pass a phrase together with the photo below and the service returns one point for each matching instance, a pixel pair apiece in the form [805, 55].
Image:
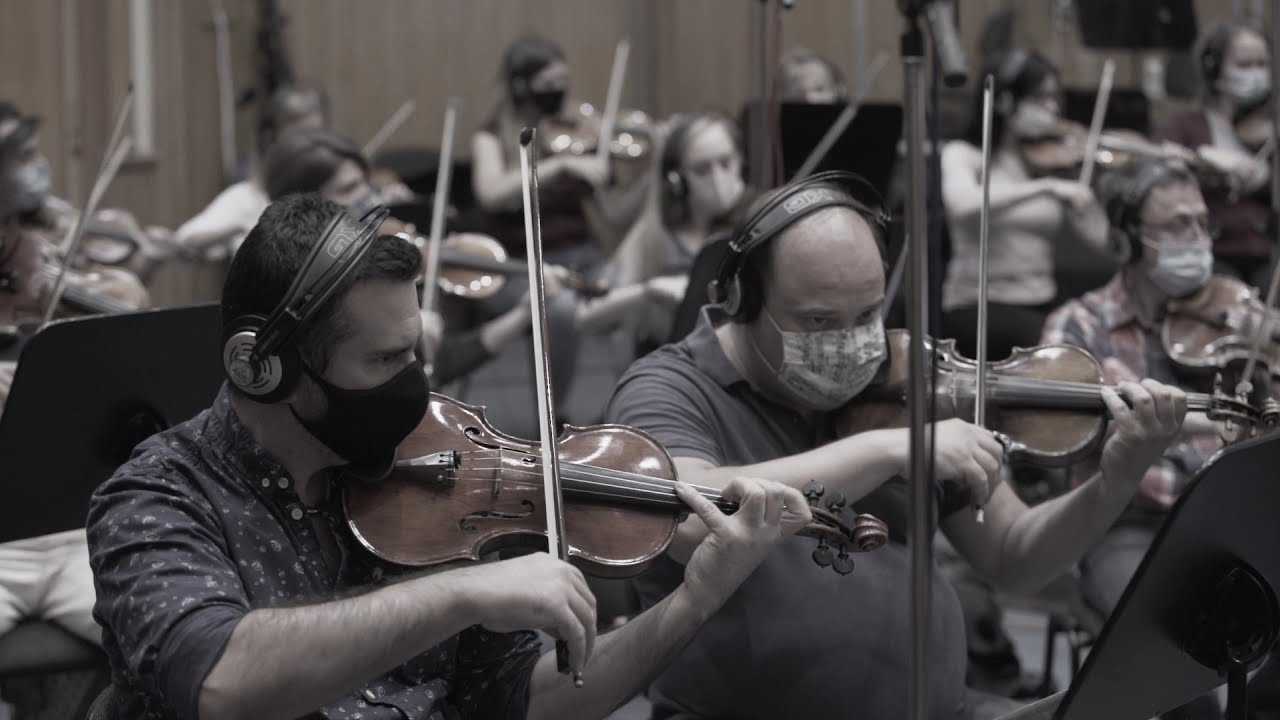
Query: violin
[462, 489]
[577, 132]
[1047, 400]
[1215, 327]
[1062, 152]
[474, 266]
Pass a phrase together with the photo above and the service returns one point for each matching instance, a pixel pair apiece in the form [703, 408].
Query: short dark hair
[302, 161]
[273, 253]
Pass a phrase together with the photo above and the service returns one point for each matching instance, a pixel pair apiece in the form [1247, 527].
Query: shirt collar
[245, 457]
[704, 346]
[1113, 304]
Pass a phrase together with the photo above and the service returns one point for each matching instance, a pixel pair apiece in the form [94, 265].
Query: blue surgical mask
[1181, 269]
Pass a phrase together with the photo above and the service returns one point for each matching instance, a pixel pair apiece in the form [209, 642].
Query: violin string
[601, 471]
[1080, 390]
[581, 486]
[578, 487]
[570, 471]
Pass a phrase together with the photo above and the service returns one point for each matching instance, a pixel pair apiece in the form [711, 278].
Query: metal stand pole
[917, 322]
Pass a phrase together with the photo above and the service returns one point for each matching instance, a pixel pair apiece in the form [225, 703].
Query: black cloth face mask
[549, 102]
[366, 426]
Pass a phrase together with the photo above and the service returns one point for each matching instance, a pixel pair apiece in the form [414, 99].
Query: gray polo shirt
[796, 640]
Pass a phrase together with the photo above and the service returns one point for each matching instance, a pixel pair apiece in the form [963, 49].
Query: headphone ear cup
[675, 181]
[733, 297]
[269, 380]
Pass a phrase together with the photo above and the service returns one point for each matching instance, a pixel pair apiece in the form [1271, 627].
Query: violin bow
[984, 236]
[613, 98]
[390, 126]
[117, 150]
[553, 498]
[439, 206]
[1095, 124]
[226, 88]
[828, 141]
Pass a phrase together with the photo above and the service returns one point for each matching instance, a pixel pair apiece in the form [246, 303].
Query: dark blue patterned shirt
[202, 526]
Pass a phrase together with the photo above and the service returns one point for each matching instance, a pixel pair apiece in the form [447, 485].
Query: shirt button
[283, 483]
[296, 512]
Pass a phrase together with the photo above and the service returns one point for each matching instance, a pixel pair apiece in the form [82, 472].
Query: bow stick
[439, 205]
[553, 498]
[117, 150]
[984, 234]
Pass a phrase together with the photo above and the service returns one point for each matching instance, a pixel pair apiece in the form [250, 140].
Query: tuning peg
[823, 555]
[837, 503]
[843, 563]
[813, 491]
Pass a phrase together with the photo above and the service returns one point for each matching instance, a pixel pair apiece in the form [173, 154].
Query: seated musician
[321, 161]
[47, 577]
[228, 588]
[1235, 73]
[694, 194]
[218, 229]
[113, 238]
[1029, 214]
[1162, 223]
[757, 389]
[536, 83]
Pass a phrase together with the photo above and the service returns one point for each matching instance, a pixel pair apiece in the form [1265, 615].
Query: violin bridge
[444, 460]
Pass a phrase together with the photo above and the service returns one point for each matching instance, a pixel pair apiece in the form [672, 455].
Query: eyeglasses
[1185, 229]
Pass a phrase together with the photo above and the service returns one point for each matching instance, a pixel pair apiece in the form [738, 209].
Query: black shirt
[202, 526]
[796, 640]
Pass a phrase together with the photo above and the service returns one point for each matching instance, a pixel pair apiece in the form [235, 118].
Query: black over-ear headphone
[834, 188]
[259, 355]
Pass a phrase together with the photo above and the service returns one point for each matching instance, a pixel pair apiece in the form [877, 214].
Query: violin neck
[590, 482]
[1064, 395]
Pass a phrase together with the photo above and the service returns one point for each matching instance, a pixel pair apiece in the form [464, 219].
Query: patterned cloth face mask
[828, 368]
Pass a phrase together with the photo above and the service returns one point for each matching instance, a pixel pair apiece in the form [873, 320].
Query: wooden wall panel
[374, 54]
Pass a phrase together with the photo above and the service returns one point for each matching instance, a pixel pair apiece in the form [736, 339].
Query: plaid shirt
[1105, 323]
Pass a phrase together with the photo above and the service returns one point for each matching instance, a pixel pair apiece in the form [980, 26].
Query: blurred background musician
[1029, 211]
[1235, 74]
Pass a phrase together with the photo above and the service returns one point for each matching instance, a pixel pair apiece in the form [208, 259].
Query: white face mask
[1245, 85]
[1181, 270]
[717, 192]
[828, 368]
[1032, 120]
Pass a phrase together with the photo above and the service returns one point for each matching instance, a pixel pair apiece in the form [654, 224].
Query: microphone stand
[917, 246]
[913, 58]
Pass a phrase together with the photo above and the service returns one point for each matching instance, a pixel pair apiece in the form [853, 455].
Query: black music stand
[1137, 24]
[85, 393]
[868, 147]
[1202, 607]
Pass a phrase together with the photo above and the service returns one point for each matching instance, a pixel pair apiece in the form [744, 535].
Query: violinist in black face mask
[535, 77]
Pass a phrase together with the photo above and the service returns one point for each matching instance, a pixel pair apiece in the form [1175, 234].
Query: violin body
[493, 500]
[1051, 432]
[463, 489]
[1215, 327]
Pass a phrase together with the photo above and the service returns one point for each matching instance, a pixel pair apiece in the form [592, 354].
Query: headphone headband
[795, 202]
[258, 356]
[344, 242]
